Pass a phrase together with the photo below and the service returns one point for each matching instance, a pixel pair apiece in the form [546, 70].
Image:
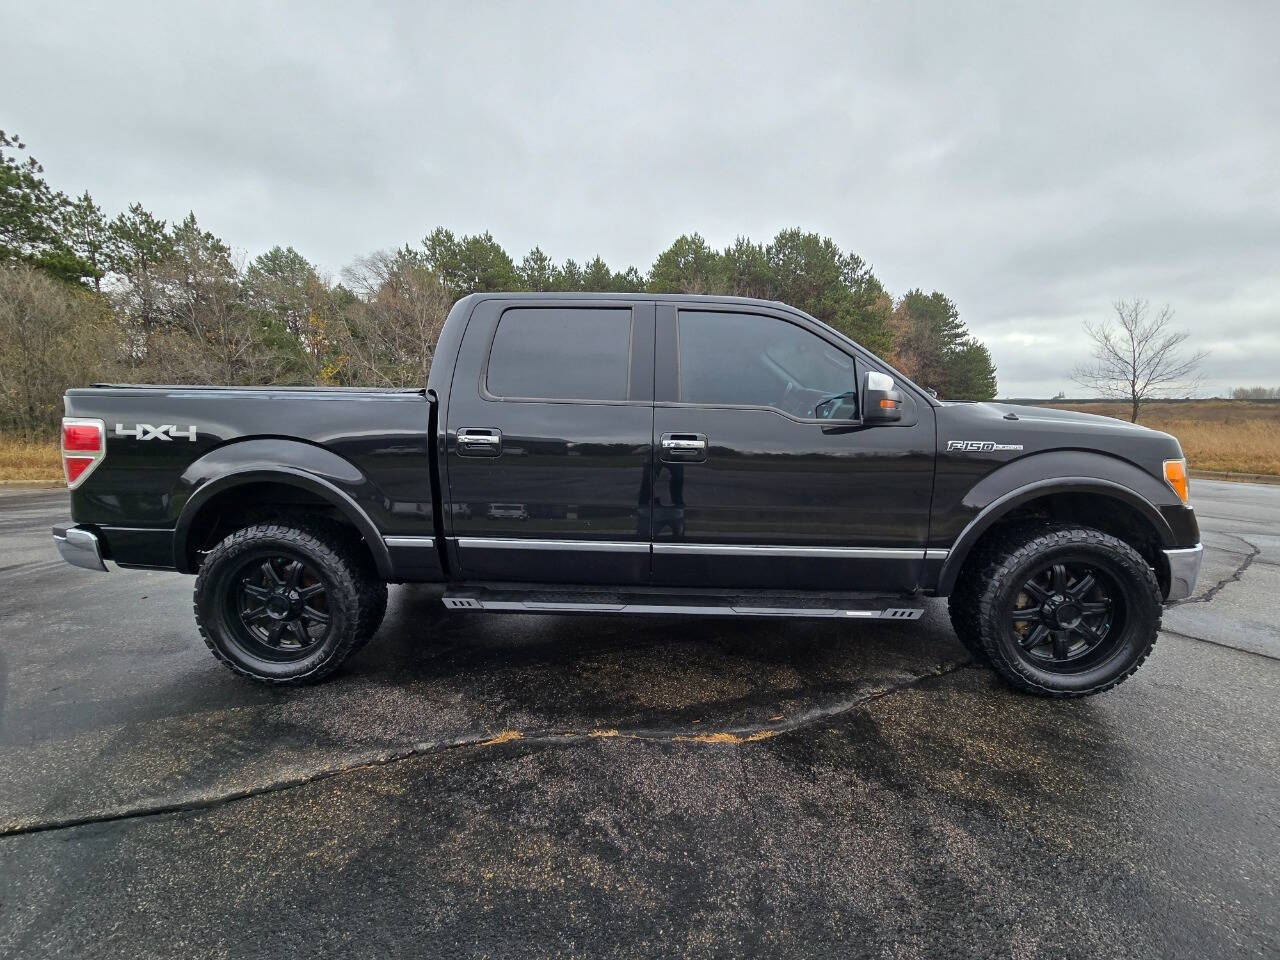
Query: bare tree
[53, 335]
[388, 335]
[1140, 357]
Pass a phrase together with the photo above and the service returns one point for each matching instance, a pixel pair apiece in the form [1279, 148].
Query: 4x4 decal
[166, 431]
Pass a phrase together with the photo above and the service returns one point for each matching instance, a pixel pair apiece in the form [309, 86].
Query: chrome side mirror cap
[881, 399]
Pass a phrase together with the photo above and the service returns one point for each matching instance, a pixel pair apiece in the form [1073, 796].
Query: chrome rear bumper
[79, 547]
[1184, 568]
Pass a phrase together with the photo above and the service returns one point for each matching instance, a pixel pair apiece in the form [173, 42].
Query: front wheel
[284, 604]
[1064, 611]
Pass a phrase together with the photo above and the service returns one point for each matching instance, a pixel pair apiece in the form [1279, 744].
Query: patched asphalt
[478, 785]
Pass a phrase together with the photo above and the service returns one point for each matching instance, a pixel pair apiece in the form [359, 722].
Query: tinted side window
[753, 360]
[561, 354]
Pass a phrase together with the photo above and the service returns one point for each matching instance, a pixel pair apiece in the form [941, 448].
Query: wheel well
[1111, 516]
[258, 502]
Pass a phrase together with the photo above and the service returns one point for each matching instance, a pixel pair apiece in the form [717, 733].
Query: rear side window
[743, 359]
[561, 354]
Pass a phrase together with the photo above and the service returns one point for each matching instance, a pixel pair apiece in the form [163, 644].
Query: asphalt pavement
[484, 785]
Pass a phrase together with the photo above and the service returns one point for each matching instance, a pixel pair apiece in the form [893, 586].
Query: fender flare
[294, 477]
[1008, 502]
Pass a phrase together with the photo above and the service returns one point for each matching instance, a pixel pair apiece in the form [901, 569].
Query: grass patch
[34, 461]
[1232, 435]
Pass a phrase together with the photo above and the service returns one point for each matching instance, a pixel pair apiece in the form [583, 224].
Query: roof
[677, 297]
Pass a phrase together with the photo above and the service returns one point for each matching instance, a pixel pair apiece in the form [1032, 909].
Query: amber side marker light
[889, 404]
[1175, 474]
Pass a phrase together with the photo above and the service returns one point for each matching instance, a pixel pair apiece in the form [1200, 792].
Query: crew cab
[637, 454]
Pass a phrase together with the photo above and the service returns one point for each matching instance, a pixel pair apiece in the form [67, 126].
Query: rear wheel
[1063, 612]
[287, 604]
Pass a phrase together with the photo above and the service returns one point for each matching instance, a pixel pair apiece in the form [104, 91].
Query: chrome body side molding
[532, 543]
[427, 543]
[701, 549]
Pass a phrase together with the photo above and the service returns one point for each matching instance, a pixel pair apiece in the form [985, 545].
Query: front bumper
[79, 547]
[1184, 568]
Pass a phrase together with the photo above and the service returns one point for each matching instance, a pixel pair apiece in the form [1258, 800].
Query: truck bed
[169, 447]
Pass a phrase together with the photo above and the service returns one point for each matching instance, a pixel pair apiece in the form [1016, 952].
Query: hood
[1034, 429]
[1047, 416]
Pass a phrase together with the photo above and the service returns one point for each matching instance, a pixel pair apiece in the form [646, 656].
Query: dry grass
[1232, 435]
[31, 461]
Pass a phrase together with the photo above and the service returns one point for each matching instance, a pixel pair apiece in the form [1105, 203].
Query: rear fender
[303, 465]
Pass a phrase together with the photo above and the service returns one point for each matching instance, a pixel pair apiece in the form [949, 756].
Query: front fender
[1067, 471]
[303, 465]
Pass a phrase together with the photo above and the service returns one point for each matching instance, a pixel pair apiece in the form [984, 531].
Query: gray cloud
[1034, 162]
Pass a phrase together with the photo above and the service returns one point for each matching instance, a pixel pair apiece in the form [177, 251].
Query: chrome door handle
[682, 448]
[479, 442]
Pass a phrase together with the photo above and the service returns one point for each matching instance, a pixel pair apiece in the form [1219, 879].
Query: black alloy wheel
[280, 607]
[1067, 615]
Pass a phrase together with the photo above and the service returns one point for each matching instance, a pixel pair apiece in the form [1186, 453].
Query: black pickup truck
[637, 454]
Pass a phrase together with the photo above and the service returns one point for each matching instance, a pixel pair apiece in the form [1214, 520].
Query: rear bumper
[1184, 569]
[79, 546]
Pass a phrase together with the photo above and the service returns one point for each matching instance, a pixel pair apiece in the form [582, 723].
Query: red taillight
[84, 444]
[81, 436]
[76, 466]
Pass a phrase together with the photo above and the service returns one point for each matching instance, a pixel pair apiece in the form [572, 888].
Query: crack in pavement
[735, 736]
[1213, 591]
[1216, 643]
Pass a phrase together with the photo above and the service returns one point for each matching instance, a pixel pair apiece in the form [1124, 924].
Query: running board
[515, 602]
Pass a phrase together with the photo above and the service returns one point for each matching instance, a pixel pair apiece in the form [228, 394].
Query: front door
[548, 450]
[764, 475]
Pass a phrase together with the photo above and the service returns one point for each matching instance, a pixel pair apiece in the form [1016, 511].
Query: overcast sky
[1033, 161]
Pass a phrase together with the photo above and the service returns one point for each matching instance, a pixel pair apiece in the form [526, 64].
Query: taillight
[84, 444]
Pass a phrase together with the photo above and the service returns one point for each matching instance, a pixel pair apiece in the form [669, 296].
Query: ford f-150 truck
[637, 454]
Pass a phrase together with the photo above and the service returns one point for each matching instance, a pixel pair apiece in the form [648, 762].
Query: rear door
[764, 475]
[549, 441]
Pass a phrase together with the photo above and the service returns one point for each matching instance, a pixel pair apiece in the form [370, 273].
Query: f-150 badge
[166, 431]
[981, 446]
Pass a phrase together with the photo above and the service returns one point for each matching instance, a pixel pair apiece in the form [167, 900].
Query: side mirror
[881, 400]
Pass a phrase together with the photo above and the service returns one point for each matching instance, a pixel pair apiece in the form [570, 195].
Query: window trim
[768, 407]
[628, 307]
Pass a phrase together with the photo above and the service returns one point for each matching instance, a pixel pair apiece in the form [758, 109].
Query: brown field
[1236, 436]
[25, 460]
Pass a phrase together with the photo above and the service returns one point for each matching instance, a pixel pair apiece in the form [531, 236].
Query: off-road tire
[372, 614]
[983, 598]
[356, 597]
[963, 607]
[963, 604]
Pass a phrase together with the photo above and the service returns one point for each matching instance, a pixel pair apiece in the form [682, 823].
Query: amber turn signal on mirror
[1175, 474]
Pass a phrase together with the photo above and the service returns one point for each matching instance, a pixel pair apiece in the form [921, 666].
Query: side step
[709, 605]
